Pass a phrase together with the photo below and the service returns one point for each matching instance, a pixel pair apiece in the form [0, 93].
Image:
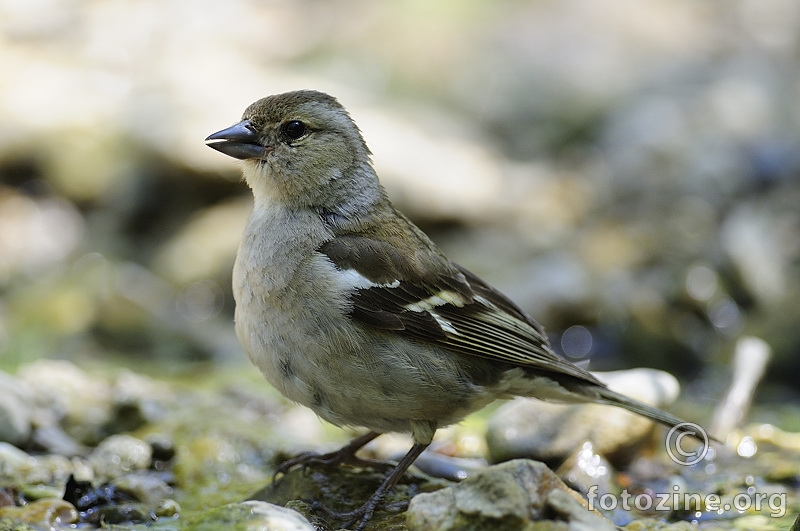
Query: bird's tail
[653, 413]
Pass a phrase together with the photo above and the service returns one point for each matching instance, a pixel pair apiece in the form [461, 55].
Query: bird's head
[301, 148]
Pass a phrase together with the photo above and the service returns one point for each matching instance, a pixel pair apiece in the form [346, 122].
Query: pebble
[21, 468]
[126, 513]
[51, 513]
[119, 455]
[68, 396]
[13, 460]
[73, 410]
[145, 488]
[511, 495]
[15, 410]
[52, 439]
[250, 515]
[168, 508]
[586, 469]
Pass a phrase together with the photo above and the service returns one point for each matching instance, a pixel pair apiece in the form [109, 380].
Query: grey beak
[240, 141]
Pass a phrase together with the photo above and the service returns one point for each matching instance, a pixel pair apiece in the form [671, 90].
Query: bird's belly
[296, 331]
[368, 384]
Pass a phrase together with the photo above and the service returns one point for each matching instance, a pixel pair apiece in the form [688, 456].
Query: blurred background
[628, 171]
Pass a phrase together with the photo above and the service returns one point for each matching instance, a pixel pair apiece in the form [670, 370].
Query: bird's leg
[344, 455]
[363, 514]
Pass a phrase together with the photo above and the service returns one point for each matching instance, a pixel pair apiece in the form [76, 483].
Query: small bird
[351, 310]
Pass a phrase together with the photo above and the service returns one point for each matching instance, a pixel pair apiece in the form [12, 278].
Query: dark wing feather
[454, 309]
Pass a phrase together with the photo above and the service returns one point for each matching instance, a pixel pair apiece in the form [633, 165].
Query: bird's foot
[363, 514]
[311, 459]
[345, 455]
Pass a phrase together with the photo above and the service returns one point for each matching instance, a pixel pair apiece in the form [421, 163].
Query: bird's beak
[240, 141]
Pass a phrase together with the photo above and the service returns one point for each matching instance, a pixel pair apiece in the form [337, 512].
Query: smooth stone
[68, 396]
[51, 513]
[119, 455]
[249, 515]
[145, 488]
[54, 440]
[16, 403]
[586, 469]
[512, 495]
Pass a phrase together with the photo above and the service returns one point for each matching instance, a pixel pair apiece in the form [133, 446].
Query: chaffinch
[351, 310]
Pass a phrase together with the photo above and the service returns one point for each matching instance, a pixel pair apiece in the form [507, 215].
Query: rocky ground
[131, 452]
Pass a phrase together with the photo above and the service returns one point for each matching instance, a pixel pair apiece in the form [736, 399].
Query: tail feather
[613, 398]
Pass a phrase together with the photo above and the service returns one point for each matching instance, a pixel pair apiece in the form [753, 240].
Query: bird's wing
[441, 303]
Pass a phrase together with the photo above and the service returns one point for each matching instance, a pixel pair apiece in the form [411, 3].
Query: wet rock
[72, 409]
[39, 492]
[13, 461]
[43, 514]
[163, 449]
[87, 498]
[341, 489]
[585, 469]
[552, 432]
[119, 455]
[145, 488]
[307, 510]
[563, 506]
[138, 400]
[129, 499]
[448, 467]
[168, 509]
[217, 458]
[20, 468]
[127, 513]
[68, 396]
[53, 469]
[52, 439]
[16, 402]
[249, 515]
[512, 495]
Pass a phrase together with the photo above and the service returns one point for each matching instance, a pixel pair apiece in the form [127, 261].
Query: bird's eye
[294, 129]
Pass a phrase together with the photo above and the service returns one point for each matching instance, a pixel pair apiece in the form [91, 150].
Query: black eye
[294, 129]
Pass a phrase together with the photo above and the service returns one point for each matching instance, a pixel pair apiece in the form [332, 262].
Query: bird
[350, 309]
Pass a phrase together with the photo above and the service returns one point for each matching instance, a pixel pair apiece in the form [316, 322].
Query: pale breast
[291, 318]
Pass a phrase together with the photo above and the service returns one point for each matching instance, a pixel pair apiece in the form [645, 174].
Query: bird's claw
[363, 514]
[329, 460]
[345, 455]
